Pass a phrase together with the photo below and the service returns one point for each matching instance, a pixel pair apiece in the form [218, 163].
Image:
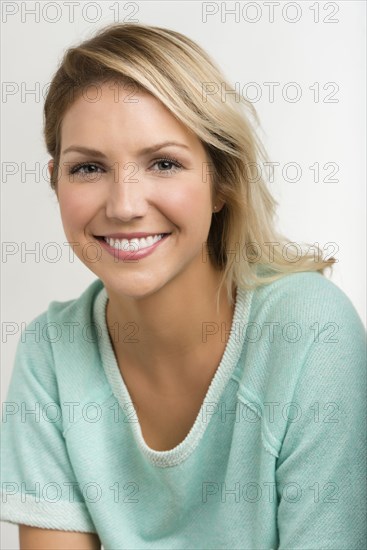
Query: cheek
[75, 209]
[189, 198]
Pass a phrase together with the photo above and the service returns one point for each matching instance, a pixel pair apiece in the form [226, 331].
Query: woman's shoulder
[305, 344]
[301, 316]
[58, 351]
[80, 307]
[299, 285]
[60, 314]
[59, 333]
[306, 297]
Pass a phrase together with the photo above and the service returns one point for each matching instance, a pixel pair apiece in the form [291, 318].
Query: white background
[304, 131]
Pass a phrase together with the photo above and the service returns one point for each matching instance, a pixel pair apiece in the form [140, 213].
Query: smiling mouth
[134, 243]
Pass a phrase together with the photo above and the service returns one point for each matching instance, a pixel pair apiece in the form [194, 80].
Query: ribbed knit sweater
[274, 460]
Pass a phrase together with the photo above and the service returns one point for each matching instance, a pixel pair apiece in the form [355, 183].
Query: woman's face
[126, 189]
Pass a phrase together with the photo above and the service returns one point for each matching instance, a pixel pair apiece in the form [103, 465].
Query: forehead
[124, 115]
[106, 102]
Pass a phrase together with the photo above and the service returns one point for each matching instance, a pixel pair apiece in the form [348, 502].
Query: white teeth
[133, 244]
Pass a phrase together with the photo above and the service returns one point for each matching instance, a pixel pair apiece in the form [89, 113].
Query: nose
[126, 192]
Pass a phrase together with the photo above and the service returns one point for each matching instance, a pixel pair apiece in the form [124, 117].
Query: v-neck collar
[227, 365]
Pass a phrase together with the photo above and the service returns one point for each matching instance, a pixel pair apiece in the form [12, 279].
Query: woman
[206, 390]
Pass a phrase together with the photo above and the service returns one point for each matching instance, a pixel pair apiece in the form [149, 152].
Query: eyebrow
[145, 151]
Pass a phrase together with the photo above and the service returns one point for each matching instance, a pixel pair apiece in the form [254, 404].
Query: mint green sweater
[275, 458]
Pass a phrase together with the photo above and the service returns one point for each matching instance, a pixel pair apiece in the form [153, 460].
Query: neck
[173, 327]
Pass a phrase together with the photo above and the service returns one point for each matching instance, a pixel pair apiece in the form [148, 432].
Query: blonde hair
[176, 71]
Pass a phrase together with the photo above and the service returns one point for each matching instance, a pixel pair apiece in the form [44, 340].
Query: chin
[137, 289]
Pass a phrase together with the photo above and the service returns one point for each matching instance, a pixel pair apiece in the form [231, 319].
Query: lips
[129, 236]
[141, 243]
[126, 254]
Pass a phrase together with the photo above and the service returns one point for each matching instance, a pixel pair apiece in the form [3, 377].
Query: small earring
[214, 208]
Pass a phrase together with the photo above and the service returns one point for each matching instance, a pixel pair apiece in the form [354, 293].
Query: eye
[89, 170]
[167, 161]
[79, 168]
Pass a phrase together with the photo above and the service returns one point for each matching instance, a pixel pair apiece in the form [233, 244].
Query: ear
[219, 204]
[50, 165]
